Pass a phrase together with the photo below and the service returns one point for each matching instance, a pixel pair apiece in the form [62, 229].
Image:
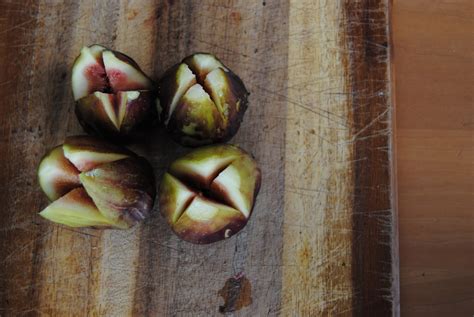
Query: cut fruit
[202, 63]
[114, 98]
[116, 188]
[76, 209]
[230, 96]
[216, 83]
[136, 110]
[228, 186]
[107, 101]
[96, 51]
[237, 184]
[125, 98]
[206, 221]
[123, 73]
[87, 152]
[200, 167]
[195, 116]
[117, 114]
[97, 111]
[174, 197]
[88, 73]
[208, 194]
[176, 82]
[56, 175]
[225, 92]
[122, 190]
[188, 93]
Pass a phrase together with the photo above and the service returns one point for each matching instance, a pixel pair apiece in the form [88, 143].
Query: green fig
[202, 101]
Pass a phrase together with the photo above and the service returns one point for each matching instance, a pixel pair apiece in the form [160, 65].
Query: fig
[76, 209]
[208, 195]
[201, 101]
[57, 175]
[93, 183]
[114, 98]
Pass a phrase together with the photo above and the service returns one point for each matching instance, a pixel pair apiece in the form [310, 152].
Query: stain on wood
[320, 240]
[237, 293]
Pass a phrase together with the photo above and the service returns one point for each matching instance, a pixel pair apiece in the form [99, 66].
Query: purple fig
[114, 98]
[95, 183]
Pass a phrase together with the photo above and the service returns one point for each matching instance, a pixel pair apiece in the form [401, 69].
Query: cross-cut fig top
[208, 195]
[113, 95]
[98, 69]
[92, 183]
[201, 100]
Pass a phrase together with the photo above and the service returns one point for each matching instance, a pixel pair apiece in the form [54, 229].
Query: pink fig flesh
[101, 80]
[88, 72]
[123, 73]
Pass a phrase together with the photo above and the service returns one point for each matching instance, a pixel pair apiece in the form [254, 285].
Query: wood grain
[321, 240]
[433, 45]
[319, 165]
[338, 127]
[374, 240]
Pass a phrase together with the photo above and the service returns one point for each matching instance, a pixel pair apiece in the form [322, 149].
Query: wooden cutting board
[322, 239]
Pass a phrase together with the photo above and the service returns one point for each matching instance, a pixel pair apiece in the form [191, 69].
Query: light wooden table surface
[433, 55]
[320, 240]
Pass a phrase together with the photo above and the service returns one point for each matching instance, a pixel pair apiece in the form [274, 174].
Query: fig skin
[187, 112]
[137, 118]
[122, 190]
[208, 195]
[86, 152]
[93, 183]
[195, 116]
[114, 98]
[76, 209]
[218, 222]
[57, 175]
